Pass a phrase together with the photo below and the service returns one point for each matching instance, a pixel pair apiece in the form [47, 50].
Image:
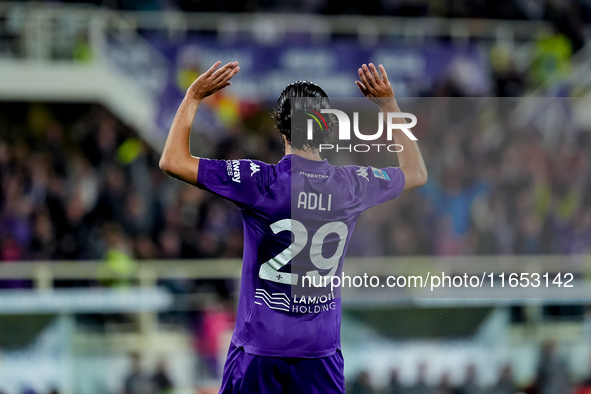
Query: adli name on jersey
[314, 201]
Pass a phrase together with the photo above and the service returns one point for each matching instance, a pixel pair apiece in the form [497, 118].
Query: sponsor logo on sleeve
[380, 173]
[236, 171]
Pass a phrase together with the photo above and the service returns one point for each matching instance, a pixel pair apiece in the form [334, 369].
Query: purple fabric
[249, 373]
[16, 227]
[312, 206]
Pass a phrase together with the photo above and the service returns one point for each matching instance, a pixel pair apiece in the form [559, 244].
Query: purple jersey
[298, 218]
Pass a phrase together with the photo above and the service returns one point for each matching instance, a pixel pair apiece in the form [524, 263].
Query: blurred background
[117, 279]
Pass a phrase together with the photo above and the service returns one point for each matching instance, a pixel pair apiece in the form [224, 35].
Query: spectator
[420, 386]
[444, 386]
[552, 376]
[136, 381]
[161, 379]
[470, 384]
[584, 387]
[216, 319]
[362, 384]
[505, 384]
[394, 385]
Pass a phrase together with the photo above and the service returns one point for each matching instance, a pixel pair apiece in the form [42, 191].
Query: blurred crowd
[76, 184]
[569, 17]
[495, 186]
[138, 381]
[505, 384]
[500, 9]
[551, 378]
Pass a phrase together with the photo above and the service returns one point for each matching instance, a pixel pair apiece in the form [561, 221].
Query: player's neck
[311, 154]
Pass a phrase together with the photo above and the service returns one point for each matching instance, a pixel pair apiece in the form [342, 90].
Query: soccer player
[298, 215]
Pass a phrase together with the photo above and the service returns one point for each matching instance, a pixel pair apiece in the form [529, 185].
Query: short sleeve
[241, 181]
[377, 186]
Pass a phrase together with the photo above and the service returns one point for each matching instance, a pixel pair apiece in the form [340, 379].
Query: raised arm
[378, 89]
[176, 160]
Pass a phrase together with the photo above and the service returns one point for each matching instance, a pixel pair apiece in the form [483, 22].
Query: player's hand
[213, 80]
[374, 86]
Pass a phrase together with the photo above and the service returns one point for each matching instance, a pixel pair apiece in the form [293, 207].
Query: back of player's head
[291, 115]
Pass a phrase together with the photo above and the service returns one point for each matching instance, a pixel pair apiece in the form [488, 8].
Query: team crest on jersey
[254, 168]
[380, 173]
[362, 172]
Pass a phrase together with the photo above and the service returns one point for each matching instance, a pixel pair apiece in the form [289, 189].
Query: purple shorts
[248, 373]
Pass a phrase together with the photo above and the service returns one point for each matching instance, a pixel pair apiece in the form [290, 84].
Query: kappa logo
[254, 168]
[362, 172]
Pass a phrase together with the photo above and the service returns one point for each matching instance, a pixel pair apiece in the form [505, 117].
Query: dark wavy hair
[291, 116]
